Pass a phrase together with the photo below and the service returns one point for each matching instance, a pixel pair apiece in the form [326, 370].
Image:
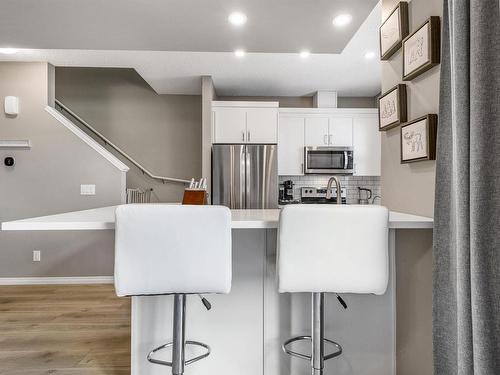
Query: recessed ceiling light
[305, 54]
[8, 51]
[237, 18]
[239, 53]
[370, 55]
[342, 20]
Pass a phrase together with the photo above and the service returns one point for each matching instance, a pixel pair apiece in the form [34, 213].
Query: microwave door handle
[346, 159]
[304, 164]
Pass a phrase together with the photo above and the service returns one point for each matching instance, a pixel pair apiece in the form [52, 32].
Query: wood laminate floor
[64, 329]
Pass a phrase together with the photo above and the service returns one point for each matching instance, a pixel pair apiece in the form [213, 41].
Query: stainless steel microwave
[328, 160]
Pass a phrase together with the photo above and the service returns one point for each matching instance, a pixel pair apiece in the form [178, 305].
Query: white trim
[392, 288]
[87, 139]
[13, 144]
[56, 280]
[222, 103]
[328, 111]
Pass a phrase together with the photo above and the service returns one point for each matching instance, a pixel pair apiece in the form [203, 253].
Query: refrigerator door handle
[243, 179]
[248, 166]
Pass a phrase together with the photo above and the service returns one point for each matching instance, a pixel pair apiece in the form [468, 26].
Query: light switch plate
[87, 189]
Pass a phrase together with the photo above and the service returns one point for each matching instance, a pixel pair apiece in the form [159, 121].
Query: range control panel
[312, 192]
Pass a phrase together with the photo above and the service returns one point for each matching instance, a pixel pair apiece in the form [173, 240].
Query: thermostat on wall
[11, 105]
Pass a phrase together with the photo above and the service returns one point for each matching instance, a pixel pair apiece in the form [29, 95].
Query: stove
[314, 195]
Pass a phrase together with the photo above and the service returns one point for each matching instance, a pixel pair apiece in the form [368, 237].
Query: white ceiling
[266, 74]
[273, 26]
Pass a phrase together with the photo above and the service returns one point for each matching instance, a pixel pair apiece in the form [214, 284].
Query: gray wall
[46, 180]
[410, 188]
[307, 101]
[161, 132]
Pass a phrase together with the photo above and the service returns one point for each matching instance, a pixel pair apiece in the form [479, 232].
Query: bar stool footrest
[169, 344]
[308, 357]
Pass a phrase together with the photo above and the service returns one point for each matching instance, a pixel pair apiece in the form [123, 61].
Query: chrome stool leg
[318, 333]
[178, 343]
[317, 338]
[179, 334]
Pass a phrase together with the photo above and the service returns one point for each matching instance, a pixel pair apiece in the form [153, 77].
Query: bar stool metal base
[308, 357]
[317, 338]
[186, 362]
[178, 343]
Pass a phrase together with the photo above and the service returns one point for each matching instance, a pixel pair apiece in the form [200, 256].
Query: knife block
[195, 197]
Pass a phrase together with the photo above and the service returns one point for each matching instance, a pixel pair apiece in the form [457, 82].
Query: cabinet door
[291, 146]
[229, 125]
[316, 131]
[262, 125]
[340, 132]
[366, 146]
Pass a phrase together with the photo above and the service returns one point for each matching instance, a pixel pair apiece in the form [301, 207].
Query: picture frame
[393, 30]
[392, 107]
[418, 139]
[421, 49]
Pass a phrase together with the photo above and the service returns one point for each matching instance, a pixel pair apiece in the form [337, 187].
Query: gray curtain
[467, 207]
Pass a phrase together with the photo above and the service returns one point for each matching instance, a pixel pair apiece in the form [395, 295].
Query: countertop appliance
[318, 195]
[245, 176]
[368, 196]
[286, 193]
[328, 160]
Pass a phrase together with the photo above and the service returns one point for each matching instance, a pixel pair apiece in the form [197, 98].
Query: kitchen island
[247, 327]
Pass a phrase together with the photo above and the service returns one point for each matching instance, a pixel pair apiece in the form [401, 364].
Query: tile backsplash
[349, 182]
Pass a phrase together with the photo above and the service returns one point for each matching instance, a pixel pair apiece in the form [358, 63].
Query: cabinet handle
[330, 139]
[302, 167]
[243, 136]
[325, 139]
[248, 136]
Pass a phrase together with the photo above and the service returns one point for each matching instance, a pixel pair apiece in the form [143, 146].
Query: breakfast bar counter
[104, 219]
[246, 327]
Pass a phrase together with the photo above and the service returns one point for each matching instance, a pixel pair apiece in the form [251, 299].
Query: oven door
[328, 160]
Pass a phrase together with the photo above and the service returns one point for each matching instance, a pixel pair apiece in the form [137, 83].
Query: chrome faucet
[337, 185]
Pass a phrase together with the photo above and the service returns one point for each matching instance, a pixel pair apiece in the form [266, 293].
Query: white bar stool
[173, 249]
[332, 249]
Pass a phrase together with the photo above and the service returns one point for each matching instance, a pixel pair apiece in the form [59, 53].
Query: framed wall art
[392, 107]
[393, 30]
[418, 139]
[421, 49]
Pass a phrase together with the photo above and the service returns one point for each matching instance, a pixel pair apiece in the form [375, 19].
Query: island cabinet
[245, 122]
[339, 127]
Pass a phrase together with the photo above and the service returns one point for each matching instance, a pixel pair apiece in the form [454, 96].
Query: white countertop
[104, 218]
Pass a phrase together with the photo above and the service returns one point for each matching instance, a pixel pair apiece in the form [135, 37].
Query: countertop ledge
[104, 219]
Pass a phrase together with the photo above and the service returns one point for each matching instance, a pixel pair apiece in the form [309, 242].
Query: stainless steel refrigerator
[245, 176]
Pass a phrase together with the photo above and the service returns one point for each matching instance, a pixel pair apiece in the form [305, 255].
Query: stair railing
[107, 142]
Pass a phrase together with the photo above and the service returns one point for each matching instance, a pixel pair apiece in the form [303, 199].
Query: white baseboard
[56, 280]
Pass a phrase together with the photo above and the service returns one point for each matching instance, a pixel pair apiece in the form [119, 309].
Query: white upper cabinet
[340, 132]
[229, 125]
[262, 125]
[366, 145]
[245, 122]
[291, 146]
[316, 131]
[328, 131]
